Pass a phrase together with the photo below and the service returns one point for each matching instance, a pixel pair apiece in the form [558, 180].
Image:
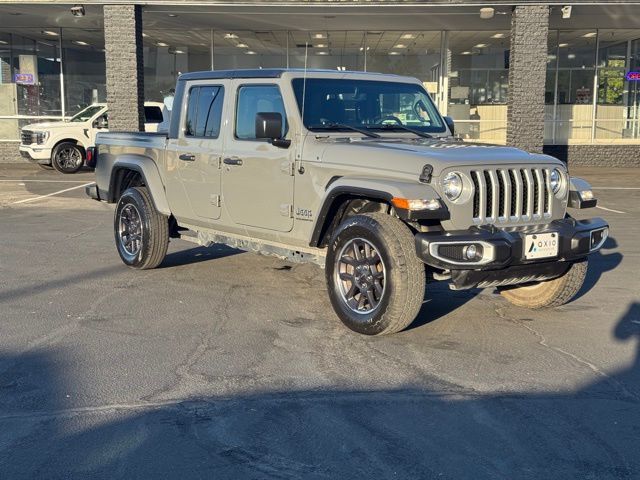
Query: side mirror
[449, 121]
[269, 126]
[101, 123]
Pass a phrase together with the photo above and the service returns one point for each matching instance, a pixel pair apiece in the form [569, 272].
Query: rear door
[194, 159]
[257, 176]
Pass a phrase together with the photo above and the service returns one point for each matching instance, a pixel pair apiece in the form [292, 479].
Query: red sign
[633, 76]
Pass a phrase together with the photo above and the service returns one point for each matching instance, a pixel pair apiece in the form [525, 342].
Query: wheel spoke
[361, 301]
[348, 260]
[372, 301]
[346, 277]
[378, 288]
[374, 259]
[352, 291]
[356, 250]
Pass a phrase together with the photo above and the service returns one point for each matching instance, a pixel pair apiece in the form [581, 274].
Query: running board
[316, 256]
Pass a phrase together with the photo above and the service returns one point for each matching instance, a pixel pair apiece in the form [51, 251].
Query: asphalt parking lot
[222, 364]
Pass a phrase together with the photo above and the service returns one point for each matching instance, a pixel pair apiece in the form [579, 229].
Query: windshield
[336, 104]
[87, 113]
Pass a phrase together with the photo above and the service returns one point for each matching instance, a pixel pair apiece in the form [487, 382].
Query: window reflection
[478, 84]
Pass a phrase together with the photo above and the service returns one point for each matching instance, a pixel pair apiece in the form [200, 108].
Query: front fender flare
[373, 188]
[147, 168]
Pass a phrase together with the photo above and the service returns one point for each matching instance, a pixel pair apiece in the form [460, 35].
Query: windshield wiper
[394, 126]
[344, 126]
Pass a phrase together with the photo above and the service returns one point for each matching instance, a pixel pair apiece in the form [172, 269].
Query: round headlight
[555, 180]
[452, 185]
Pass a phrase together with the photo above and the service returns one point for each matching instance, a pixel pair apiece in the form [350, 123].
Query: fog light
[472, 252]
[598, 237]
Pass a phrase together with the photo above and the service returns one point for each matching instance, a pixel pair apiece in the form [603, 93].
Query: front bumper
[36, 154]
[504, 261]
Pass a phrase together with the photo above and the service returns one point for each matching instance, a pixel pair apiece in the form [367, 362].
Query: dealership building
[558, 77]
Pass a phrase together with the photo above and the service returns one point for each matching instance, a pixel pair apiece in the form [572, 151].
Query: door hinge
[215, 200]
[288, 168]
[286, 210]
[219, 164]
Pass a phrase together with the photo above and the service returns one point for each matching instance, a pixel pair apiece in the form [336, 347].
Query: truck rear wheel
[67, 157]
[376, 282]
[141, 232]
[551, 293]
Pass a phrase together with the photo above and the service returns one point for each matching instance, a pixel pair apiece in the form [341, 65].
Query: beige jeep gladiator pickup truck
[357, 172]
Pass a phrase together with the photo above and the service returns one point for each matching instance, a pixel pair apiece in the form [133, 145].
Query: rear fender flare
[148, 170]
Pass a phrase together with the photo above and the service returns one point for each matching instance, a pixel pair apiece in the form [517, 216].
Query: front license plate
[540, 245]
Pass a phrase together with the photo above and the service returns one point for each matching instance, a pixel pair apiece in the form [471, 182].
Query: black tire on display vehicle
[141, 232]
[67, 157]
[375, 280]
[551, 293]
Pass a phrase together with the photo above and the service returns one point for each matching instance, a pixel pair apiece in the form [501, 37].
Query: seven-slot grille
[511, 195]
[26, 137]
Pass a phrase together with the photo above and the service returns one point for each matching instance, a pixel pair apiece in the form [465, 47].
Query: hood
[406, 155]
[50, 125]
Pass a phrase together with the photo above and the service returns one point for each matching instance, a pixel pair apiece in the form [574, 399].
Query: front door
[258, 177]
[194, 159]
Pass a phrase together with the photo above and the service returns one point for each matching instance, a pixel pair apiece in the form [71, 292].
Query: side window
[204, 111]
[253, 99]
[152, 115]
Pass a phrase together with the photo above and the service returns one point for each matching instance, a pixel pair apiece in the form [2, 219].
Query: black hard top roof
[254, 73]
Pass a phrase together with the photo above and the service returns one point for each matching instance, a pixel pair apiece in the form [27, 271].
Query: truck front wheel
[376, 282]
[141, 232]
[67, 157]
[551, 293]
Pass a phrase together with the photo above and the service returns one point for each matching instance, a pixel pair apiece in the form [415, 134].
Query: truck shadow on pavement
[197, 255]
[599, 263]
[408, 432]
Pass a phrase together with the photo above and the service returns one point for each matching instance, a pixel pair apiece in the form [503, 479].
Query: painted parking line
[33, 199]
[41, 181]
[609, 209]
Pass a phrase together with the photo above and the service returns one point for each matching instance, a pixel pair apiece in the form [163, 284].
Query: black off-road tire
[404, 274]
[551, 293]
[154, 230]
[59, 159]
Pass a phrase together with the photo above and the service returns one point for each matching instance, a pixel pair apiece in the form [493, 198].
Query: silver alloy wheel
[69, 158]
[360, 275]
[130, 230]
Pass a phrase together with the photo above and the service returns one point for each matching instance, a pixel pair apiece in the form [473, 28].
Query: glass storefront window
[167, 54]
[588, 97]
[618, 99]
[478, 84]
[84, 69]
[29, 79]
[571, 72]
[38, 65]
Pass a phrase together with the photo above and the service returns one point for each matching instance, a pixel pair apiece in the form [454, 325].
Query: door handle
[232, 161]
[187, 157]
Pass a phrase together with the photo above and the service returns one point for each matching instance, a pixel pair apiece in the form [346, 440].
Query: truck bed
[127, 147]
[132, 139]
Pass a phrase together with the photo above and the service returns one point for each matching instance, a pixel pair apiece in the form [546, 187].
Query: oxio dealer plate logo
[541, 245]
